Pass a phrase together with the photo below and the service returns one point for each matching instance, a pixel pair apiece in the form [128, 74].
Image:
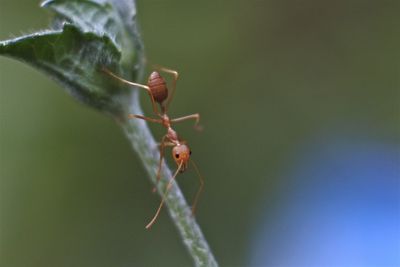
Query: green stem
[145, 146]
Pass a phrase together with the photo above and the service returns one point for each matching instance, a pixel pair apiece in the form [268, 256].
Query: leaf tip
[45, 3]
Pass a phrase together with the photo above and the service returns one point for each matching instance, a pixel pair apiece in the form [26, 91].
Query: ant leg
[175, 75]
[123, 80]
[134, 116]
[162, 146]
[164, 196]
[189, 117]
[153, 103]
[200, 190]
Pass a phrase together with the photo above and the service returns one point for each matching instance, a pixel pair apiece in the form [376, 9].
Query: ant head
[181, 154]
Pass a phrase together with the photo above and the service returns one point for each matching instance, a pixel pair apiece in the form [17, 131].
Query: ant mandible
[157, 89]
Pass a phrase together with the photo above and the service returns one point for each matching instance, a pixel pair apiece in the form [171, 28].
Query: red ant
[157, 89]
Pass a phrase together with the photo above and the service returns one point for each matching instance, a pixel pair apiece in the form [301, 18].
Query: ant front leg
[162, 147]
[195, 117]
[163, 144]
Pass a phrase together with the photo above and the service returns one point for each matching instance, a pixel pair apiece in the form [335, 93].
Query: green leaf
[74, 59]
[89, 16]
[116, 21]
[93, 35]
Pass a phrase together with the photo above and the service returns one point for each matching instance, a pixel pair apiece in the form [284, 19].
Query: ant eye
[190, 152]
[177, 156]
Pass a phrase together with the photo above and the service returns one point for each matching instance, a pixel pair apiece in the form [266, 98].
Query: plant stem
[145, 146]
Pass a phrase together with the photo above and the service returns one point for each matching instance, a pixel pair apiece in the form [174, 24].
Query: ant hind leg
[145, 87]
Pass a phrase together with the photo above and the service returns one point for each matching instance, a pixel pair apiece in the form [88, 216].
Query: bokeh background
[300, 149]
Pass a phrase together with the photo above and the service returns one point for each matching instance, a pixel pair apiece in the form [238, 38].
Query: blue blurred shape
[339, 206]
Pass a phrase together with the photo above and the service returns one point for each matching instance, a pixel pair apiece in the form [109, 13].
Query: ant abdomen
[158, 87]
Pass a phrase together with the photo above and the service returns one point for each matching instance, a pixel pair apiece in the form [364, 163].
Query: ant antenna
[164, 196]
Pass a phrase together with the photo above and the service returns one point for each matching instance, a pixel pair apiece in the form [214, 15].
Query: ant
[157, 89]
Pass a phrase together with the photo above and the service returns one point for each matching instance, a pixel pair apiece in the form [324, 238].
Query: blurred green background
[266, 77]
